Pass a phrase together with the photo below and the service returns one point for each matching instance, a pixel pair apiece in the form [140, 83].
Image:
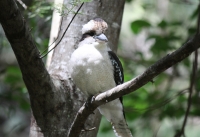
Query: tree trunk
[54, 98]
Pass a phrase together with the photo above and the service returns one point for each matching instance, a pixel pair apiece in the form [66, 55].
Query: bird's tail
[113, 111]
[121, 129]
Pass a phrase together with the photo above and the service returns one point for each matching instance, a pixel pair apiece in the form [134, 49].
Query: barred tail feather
[121, 129]
[113, 111]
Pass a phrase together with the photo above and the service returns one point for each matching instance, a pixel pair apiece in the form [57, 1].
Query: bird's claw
[89, 100]
[90, 129]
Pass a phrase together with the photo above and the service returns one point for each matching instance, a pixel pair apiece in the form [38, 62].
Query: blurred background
[150, 30]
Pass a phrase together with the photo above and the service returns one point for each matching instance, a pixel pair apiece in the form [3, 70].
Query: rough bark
[54, 99]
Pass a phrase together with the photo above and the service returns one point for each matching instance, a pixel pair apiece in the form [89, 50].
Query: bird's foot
[90, 129]
[89, 102]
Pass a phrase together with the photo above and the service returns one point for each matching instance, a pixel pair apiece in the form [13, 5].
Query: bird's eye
[91, 33]
[88, 34]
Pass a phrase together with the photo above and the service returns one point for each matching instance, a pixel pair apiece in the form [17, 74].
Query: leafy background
[150, 30]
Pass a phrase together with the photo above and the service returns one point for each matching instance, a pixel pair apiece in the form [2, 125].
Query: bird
[96, 69]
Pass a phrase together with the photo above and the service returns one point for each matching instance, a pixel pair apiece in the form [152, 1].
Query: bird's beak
[101, 37]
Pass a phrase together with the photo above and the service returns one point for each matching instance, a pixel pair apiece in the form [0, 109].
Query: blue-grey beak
[101, 37]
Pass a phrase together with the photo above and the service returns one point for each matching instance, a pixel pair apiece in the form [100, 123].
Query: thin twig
[69, 11]
[198, 21]
[64, 31]
[192, 82]
[61, 21]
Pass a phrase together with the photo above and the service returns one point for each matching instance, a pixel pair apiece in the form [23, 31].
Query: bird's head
[96, 26]
[93, 31]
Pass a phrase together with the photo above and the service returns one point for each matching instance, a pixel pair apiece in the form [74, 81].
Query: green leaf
[163, 43]
[186, 62]
[24, 104]
[175, 23]
[13, 75]
[160, 44]
[195, 13]
[197, 85]
[138, 25]
[163, 24]
[192, 30]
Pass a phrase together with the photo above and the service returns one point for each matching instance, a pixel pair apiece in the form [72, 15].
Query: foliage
[65, 10]
[45, 9]
[137, 25]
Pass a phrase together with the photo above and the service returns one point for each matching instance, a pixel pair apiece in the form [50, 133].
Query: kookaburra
[95, 69]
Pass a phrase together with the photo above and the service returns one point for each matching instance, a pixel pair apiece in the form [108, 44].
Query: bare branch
[192, 82]
[198, 21]
[42, 56]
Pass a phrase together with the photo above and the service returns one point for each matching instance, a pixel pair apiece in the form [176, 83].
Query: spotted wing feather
[118, 70]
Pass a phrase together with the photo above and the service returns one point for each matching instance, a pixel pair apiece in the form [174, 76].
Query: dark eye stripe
[88, 34]
[84, 36]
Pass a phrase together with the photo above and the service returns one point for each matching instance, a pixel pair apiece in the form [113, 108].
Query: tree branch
[192, 82]
[134, 84]
[38, 81]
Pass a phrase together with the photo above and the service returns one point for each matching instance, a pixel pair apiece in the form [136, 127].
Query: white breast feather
[92, 70]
